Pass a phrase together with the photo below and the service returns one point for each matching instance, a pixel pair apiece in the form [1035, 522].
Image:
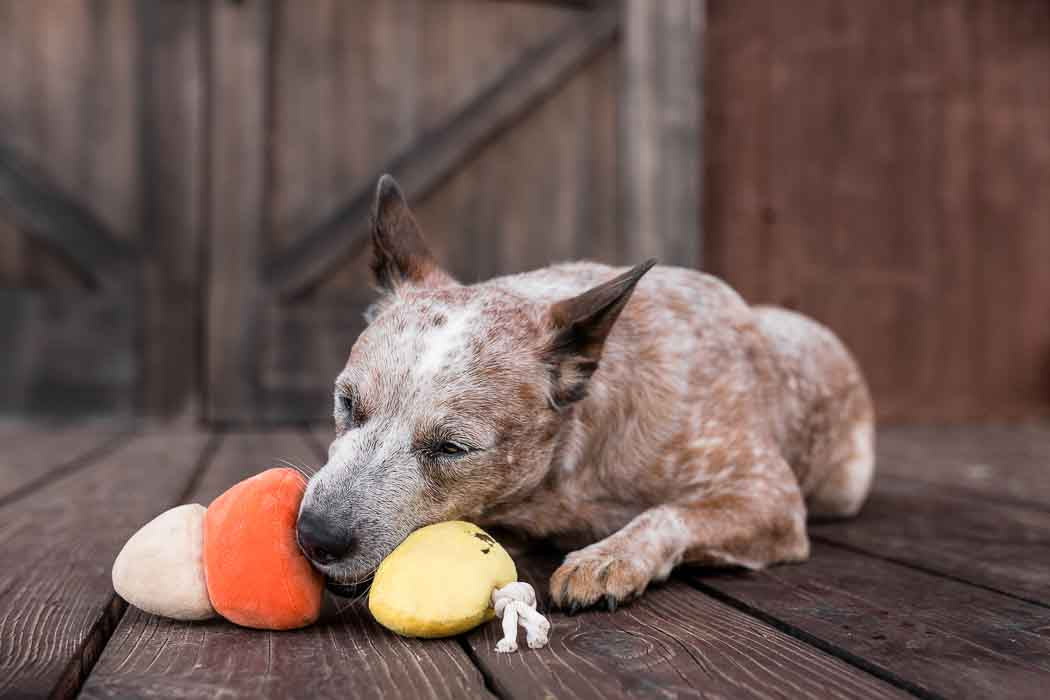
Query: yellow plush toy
[447, 578]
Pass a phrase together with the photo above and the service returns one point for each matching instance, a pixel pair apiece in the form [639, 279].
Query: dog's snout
[321, 540]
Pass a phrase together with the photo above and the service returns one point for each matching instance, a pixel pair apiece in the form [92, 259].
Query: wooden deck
[941, 588]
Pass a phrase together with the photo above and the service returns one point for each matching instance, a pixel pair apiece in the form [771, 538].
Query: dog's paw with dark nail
[594, 578]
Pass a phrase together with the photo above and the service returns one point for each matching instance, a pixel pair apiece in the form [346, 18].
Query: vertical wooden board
[78, 103]
[46, 328]
[238, 91]
[345, 654]
[673, 642]
[937, 635]
[355, 85]
[737, 212]
[852, 91]
[306, 345]
[1013, 96]
[537, 194]
[660, 138]
[171, 78]
[58, 607]
[896, 155]
[299, 360]
[954, 54]
[32, 454]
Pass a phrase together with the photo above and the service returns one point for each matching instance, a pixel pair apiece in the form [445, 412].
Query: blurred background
[184, 186]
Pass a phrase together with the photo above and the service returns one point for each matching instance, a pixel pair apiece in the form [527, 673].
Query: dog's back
[687, 339]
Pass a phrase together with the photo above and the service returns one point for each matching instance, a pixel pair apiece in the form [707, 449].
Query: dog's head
[450, 402]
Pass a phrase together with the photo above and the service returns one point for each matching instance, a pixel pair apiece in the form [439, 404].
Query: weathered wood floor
[941, 588]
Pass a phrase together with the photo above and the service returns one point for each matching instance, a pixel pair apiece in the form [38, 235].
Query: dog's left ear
[400, 255]
[579, 326]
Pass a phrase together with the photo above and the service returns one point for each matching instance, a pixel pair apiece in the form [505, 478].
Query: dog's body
[681, 426]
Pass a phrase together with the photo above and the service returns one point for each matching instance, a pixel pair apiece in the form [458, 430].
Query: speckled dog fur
[642, 417]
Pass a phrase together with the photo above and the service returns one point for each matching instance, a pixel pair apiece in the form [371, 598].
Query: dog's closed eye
[451, 449]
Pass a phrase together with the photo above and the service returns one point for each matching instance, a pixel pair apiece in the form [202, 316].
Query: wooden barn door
[522, 133]
[99, 175]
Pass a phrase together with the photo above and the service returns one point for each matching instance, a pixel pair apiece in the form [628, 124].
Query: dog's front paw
[592, 576]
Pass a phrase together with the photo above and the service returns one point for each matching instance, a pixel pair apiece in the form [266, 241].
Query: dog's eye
[345, 403]
[451, 449]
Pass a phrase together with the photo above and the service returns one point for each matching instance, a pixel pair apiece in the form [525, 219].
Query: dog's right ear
[400, 256]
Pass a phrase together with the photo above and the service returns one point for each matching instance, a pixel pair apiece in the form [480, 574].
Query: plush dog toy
[239, 559]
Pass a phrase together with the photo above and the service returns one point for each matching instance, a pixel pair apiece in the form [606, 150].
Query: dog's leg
[749, 521]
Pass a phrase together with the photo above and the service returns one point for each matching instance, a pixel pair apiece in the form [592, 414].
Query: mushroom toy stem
[516, 604]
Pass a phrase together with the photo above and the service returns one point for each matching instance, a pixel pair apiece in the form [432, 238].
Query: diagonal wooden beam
[42, 211]
[438, 153]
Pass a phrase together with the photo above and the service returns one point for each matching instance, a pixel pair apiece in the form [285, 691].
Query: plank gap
[491, 684]
[68, 468]
[814, 641]
[85, 658]
[924, 569]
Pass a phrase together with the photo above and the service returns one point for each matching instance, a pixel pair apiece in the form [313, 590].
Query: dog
[638, 418]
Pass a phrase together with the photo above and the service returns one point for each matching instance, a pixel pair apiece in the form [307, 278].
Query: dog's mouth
[347, 590]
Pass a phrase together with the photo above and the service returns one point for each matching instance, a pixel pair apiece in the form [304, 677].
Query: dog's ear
[400, 256]
[579, 326]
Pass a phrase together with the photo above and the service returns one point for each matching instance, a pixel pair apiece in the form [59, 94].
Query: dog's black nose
[321, 540]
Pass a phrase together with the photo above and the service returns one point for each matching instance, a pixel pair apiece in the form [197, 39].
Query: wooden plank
[1012, 300]
[1001, 547]
[860, 156]
[737, 115]
[58, 607]
[32, 455]
[1002, 462]
[938, 636]
[559, 200]
[68, 353]
[661, 130]
[673, 642]
[438, 153]
[344, 655]
[171, 77]
[42, 211]
[237, 67]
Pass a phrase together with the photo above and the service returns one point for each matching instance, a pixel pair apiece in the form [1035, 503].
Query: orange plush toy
[238, 559]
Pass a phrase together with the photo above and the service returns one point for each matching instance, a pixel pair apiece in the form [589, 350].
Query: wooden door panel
[503, 123]
[883, 168]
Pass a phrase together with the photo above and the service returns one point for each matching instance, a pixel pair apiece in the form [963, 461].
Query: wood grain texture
[58, 606]
[998, 463]
[1001, 546]
[67, 353]
[867, 165]
[440, 151]
[69, 183]
[42, 211]
[171, 77]
[343, 655]
[660, 133]
[32, 454]
[238, 90]
[69, 102]
[673, 642]
[935, 634]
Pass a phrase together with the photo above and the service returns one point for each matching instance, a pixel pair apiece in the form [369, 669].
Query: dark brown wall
[885, 167]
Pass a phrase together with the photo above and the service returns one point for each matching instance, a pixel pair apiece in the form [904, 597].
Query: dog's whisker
[306, 471]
